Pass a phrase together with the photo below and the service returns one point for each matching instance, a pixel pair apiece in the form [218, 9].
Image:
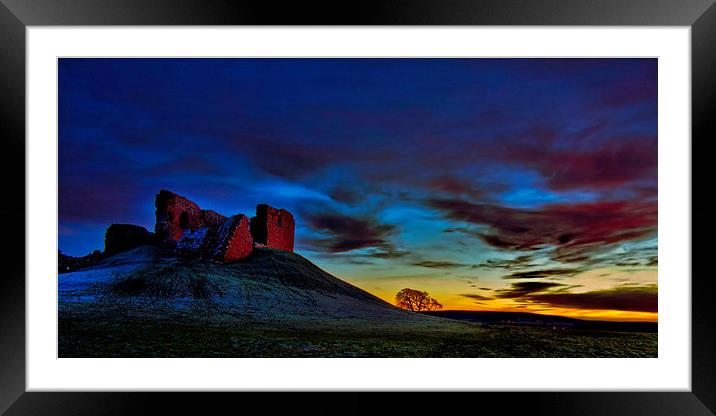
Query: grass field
[277, 304]
[102, 336]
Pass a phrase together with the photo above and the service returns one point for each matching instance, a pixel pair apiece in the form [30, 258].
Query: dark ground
[103, 336]
[145, 303]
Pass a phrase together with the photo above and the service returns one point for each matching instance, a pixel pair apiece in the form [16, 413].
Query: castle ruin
[273, 227]
[204, 234]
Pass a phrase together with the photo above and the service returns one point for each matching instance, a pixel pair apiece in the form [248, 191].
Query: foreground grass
[145, 303]
[123, 336]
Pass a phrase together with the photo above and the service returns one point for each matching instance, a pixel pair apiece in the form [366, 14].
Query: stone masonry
[234, 240]
[123, 237]
[197, 233]
[273, 227]
[176, 215]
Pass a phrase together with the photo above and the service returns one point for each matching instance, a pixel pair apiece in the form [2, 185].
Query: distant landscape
[358, 207]
[148, 303]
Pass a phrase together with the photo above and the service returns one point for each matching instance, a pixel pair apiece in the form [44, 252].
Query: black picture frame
[16, 15]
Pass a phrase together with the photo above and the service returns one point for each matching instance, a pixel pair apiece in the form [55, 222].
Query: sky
[493, 184]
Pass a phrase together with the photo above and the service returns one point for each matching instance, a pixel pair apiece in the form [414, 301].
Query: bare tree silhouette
[416, 301]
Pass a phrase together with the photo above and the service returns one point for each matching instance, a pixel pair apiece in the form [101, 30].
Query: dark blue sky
[388, 164]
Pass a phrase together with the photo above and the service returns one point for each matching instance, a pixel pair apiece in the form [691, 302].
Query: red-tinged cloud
[636, 89]
[615, 163]
[637, 299]
[287, 159]
[455, 186]
[342, 233]
[575, 231]
[623, 162]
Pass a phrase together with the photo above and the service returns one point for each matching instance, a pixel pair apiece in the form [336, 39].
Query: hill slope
[148, 303]
[270, 285]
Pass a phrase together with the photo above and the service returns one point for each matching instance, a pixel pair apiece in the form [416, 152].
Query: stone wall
[122, 237]
[234, 241]
[176, 215]
[211, 219]
[273, 228]
[204, 234]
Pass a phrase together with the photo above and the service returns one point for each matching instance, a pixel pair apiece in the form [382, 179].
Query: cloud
[364, 257]
[185, 166]
[624, 298]
[641, 257]
[346, 195]
[438, 264]
[540, 274]
[523, 289]
[595, 157]
[371, 141]
[577, 231]
[455, 186]
[618, 163]
[290, 190]
[345, 233]
[388, 251]
[518, 262]
[475, 297]
[638, 87]
[80, 201]
[299, 159]
[287, 159]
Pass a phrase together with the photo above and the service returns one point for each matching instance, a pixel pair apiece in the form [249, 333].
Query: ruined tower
[123, 237]
[234, 240]
[175, 215]
[273, 228]
[192, 232]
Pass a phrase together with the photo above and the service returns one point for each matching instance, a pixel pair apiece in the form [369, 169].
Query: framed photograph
[491, 198]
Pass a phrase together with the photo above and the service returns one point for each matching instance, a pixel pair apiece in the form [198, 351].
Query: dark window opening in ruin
[279, 221]
[184, 220]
